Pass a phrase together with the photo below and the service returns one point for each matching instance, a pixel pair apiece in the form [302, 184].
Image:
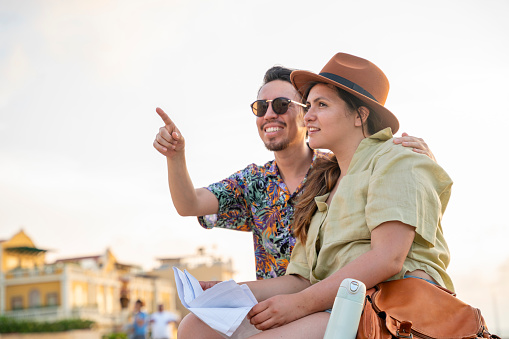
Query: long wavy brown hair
[325, 173]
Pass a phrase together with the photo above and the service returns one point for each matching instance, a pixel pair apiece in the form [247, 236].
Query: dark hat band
[348, 83]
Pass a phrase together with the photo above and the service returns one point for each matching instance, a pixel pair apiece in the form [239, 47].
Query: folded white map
[222, 307]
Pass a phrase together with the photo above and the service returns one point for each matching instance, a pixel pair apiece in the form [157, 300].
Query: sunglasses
[279, 106]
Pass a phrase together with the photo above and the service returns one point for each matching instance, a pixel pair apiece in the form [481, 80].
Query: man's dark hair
[277, 73]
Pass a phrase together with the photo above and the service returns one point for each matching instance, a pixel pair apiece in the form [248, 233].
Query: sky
[80, 81]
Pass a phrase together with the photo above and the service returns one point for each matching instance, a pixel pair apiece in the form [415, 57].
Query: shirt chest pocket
[347, 212]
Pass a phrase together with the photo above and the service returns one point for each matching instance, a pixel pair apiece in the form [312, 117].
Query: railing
[92, 313]
[49, 313]
[34, 272]
[54, 313]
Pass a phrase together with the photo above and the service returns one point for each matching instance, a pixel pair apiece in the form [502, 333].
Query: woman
[372, 213]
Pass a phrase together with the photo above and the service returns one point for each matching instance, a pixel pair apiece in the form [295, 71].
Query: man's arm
[418, 145]
[187, 200]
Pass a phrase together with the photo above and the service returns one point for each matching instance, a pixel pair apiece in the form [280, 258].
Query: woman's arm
[264, 289]
[287, 284]
[390, 243]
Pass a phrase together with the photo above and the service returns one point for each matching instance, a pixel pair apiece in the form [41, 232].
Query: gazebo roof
[25, 250]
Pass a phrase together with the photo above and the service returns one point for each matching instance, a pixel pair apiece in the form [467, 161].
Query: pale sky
[80, 81]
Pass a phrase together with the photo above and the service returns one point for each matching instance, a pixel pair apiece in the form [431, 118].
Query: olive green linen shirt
[384, 182]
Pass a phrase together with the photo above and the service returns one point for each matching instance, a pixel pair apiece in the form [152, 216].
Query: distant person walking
[140, 322]
[160, 323]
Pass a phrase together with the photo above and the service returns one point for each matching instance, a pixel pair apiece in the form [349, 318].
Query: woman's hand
[418, 144]
[208, 284]
[277, 311]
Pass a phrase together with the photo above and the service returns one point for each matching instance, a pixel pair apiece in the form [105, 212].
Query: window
[17, 303]
[79, 296]
[34, 298]
[52, 299]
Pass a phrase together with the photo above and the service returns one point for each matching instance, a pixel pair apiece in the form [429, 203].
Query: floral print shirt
[257, 200]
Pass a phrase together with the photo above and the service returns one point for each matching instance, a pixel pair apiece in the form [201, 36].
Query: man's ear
[301, 115]
[364, 114]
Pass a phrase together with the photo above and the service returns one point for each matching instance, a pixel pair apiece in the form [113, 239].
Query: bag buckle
[406, 330]
[409, 336]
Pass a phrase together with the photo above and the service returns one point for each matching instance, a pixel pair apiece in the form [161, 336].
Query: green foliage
[8, 325]
[119, 335]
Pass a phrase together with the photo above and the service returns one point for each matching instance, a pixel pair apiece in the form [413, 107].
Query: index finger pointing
[164, 116]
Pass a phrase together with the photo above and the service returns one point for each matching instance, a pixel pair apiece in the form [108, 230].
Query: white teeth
[272, 129]
[313, 129]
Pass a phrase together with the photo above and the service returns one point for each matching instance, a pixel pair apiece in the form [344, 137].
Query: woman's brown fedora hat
[357, 76]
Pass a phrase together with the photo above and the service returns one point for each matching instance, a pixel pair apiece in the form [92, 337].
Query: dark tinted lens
[280, 105]
[259, 107]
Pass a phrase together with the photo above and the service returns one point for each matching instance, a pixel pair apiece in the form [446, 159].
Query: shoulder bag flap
[433, 311]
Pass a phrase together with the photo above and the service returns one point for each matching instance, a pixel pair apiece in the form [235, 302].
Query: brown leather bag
[414, 308]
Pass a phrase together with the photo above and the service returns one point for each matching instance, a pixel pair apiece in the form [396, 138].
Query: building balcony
[34, 272]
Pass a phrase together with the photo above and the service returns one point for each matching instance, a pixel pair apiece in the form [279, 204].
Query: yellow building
[97, 287]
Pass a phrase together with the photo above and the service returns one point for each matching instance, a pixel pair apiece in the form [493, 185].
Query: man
[257, 199]
[160, 323]
[139, 329]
